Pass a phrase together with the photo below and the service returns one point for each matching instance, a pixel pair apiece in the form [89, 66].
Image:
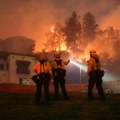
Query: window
[23, 67]
[1, 67]
[7, 66]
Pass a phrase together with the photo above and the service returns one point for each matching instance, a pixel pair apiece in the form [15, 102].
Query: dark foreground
[21, 106]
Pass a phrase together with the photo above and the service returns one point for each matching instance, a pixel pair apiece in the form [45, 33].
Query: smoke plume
[32, 18]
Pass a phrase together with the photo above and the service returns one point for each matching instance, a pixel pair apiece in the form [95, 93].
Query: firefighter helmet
[92, 51]
[57, 54]
[43, 56]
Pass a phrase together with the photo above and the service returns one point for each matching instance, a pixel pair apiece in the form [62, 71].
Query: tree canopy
[17, 44]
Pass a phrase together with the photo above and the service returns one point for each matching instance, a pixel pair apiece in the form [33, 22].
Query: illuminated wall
[10, 70]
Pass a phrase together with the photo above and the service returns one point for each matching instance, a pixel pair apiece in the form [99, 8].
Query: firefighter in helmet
[95, 75]
[43, 70]
[59, 72]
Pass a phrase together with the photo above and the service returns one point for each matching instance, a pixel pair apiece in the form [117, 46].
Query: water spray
[79, 65]
[107, 77]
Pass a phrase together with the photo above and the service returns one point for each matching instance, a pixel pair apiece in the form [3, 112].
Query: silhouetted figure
[59, 72]
[95, 75]
[43, 70]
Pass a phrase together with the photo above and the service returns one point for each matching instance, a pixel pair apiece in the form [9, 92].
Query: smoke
[111, 19]
[101, 45]
[108, 51]
[26, 18]
[33, 18]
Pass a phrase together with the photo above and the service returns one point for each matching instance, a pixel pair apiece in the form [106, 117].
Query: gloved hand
[68, 61]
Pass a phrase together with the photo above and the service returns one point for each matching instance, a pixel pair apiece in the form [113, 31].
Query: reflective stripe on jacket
[42, 68]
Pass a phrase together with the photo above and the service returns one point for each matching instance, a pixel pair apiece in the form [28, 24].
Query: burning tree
[89, 27]
[73, 32]
[67, 37]
[72, 37]
[56, 38]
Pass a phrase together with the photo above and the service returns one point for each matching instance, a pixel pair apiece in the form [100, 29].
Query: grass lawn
[21, 106]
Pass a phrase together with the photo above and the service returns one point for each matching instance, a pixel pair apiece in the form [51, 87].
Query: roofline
[9, 53]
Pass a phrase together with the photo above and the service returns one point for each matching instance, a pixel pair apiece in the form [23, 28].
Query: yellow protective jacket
[93, 64]
[42, 68]
[59, 69]
[62, 65]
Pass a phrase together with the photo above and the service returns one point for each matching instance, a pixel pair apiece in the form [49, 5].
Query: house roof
[4, 54]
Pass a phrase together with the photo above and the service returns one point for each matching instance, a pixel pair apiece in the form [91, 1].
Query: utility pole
[80, 76]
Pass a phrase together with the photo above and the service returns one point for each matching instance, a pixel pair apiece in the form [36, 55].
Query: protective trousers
[95, 78]
[59, 81]
[39, 85]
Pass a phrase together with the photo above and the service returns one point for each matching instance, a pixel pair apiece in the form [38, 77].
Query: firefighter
[43, 70]
[59, 72]
[95, 75]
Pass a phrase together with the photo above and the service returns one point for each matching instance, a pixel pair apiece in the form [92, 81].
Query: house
[16, 68]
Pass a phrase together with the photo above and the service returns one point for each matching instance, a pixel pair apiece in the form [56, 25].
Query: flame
[63, 46]
[68, 50]
[53, 28]
[57, 49]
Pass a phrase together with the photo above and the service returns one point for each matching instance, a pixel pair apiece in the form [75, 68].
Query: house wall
[4, 71]
[12, 68]
[4, 76]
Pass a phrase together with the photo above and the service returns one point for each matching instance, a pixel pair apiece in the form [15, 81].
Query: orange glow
[53, 29]
[63, 46]
[68, 50]
[57, 49]
[79, 60]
